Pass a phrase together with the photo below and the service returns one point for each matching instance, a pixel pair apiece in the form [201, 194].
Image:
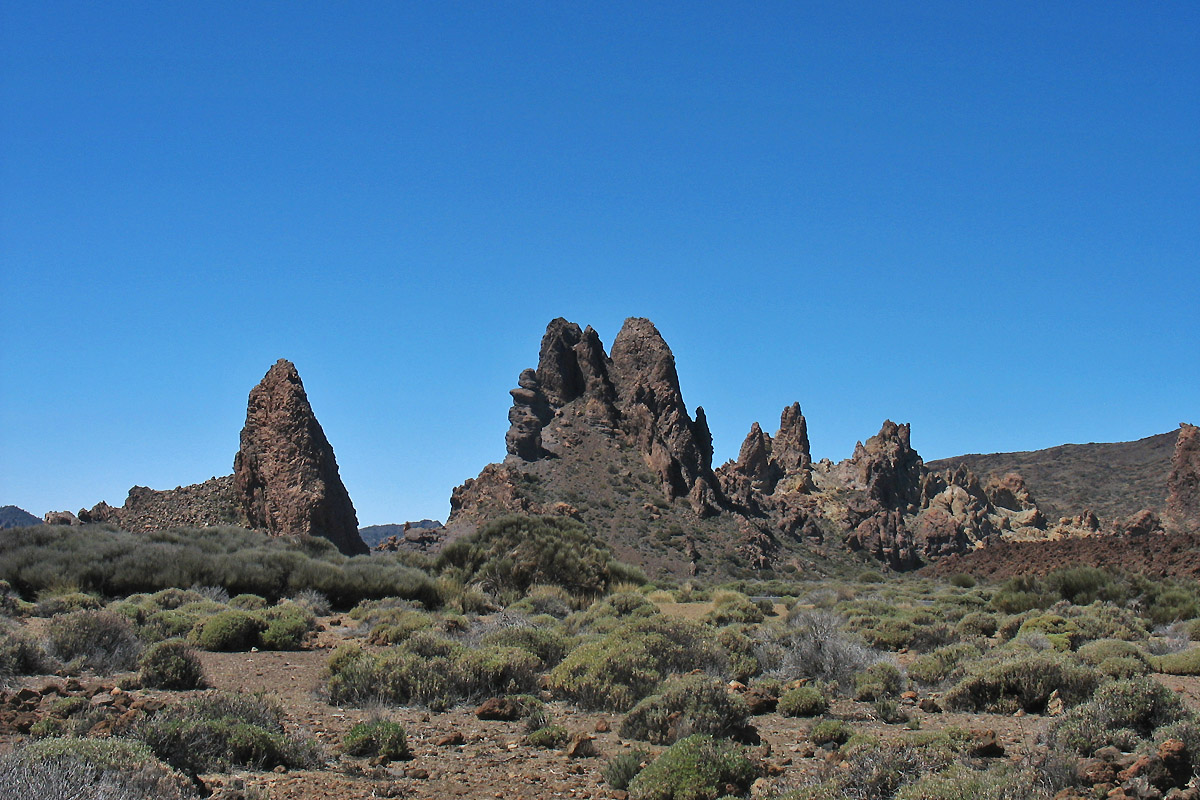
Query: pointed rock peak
[558, 370]
[641, 357]
[791, 448]
[754, 458]
[1183, 482]
[285, 474]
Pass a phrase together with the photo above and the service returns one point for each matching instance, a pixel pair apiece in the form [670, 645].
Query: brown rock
[582, 745]
[285, 474]
[1183, 483]
[504, 709]
[1143, 523]
[452, 739]
[1094, 771]
[61, 518]
[760, 702]
[602, 725]
[1177, 760]
[986, 745]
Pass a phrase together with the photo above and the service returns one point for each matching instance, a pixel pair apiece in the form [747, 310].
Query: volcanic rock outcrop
[285, 475]
[1183, 483]
[285, 478]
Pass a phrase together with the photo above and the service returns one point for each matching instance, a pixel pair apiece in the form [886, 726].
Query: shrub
[622, 768]
[377, 738]
[98, 640]
[939, 665]
[804, 701]
[1123, 713]
[830, 731]
[733, 607]
[685, 706]
[219, 731]
[170, 665]
[696, 768]
[248, 602]
[313, 601]
[817, 647]
[548, 736]
[741, 653]
[1000, 782]
[962, 580]
[880, 680]
[51, 604]
[284, 626]
[510, 554]
[228, 631]
[978, 623]
[547, 644]
[544, 599]
[19, 654]
[90, 769]
[1185, 662]
[489, 671]
[1023, 682]
[616, 671]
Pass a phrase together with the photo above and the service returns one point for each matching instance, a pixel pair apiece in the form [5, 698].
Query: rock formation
[285, 478]
[635, 391]
[285, 475]
[1183, 483]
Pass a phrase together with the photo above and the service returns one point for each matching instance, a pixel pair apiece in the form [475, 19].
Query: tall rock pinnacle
[1183, 484]
[285, 474]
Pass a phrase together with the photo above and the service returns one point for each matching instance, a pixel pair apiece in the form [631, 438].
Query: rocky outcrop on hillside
[1183, 482]
[634, 392]
[285, 475]
[200, 505]
[586, 427]
[285, 478]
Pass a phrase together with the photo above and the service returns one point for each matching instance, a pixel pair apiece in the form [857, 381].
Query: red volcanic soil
[1157, 555]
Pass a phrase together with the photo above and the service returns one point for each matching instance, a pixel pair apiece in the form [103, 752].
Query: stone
[504, 709]
[985, 744]
[1183, 482]
[61, 518]
[452, 739]
[285, 474]
[1143, 523]
[582, 745]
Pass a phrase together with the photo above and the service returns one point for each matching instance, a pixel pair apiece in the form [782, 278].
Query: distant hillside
[374, 534]
[1113, 480]
[13, 517]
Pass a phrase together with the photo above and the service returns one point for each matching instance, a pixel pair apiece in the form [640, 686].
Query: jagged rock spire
[1183, 483]
[285, 474]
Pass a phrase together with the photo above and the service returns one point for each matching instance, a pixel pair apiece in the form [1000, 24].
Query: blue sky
[980, 219]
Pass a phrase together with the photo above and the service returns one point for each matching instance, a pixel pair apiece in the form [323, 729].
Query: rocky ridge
[590, 434]
[1183, 482]
[285, 479]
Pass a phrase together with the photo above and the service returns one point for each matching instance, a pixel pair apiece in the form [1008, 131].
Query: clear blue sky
[983, 219]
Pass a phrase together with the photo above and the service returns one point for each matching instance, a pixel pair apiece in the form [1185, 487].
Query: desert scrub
[284, 626]
[730, 607]
[172, 664]
[892, 628]
[614, 672]
[510, 554]
[803, 701]
[52, 603]
[544, 598]
[1023, 681]
[741, 652]
[220, 731]
[685, 706]
[111, 769]
[550, 737]
[696, 768]
[978, 624]
[622, 768]
[228, 631]
[19, 653]
[605, 615]
[1125, 713]
[380, 738]
[881, 680]
[97, 640]
[816, 646]
[830, 731]
[549, 645]
[1185, 662]
[942, 664]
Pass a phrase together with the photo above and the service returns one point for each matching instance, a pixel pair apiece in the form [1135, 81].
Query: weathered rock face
[285, 474]
[200, 505]
[635, 391]
[1183, 483]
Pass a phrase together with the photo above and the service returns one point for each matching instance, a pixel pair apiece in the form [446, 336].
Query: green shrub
[381, 738]
[982, 624]
[19, 654]
[248, 602]
[549, 645]
[97, 640]
[731, 607]
[939, 665]
[170, 665]
[1000, 782]
[219, 731]
[510, 554]
[1123, 713]
[228, 631]
[51, 604]
[616, 671]
[622, 768]
[550, 737]
[696, 768]
[544, 599]
[1185, 662]
[741, 653]
[169, 624]
[815, 646]
[1097, 652]
[880, 680]
[1023, 682]
[961, 580]
[684, 706]
[830, 731]
[1021, 594]
[284, 626]
[804, 701]
[492, 670]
